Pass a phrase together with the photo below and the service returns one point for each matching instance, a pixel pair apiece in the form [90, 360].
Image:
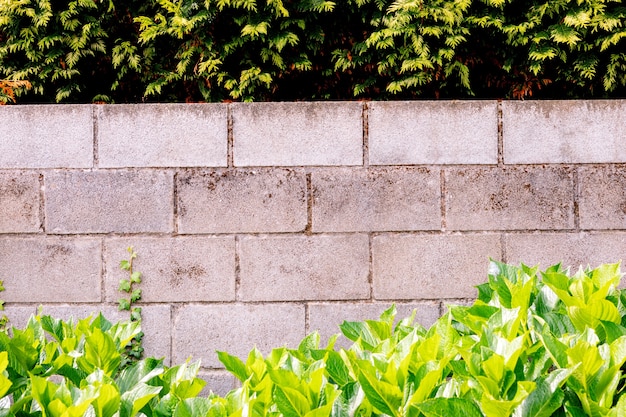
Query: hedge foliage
[533, 344]
[216, 50]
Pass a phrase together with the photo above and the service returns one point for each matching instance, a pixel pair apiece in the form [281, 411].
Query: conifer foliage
[245, 50]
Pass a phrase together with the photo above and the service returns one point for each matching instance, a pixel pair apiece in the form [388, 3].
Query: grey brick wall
[258, 223]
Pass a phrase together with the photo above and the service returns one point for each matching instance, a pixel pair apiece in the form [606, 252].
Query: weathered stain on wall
[258, 223]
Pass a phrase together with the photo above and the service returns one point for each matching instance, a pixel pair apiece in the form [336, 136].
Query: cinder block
[201, 330]
[433, 132]
[163, 135]
[570, 249]
[109, 201]
[46, 136]
[413, 267]
[217, 382]
[234, 201]
[295, 134]
[377, 199]
[513, 198]
[572, 131]
[175, 269]
[19, 202]
[602, 202]
[325, 318]
[287, 268]
[39, 270]
[155, 323]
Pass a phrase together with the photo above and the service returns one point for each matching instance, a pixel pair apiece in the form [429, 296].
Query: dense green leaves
[532, 345]
[188, 50]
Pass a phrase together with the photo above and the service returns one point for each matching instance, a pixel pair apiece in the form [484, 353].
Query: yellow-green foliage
[216, 50]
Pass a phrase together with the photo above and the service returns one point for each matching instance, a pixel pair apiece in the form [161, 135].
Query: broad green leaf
[141, 371]
[355, 330]
[309, 343]
[135, 399]
[290, 402]
[234, 365]
[424, 387]
[547, 396]
[337, 369]
[348, 401]
[494, 368]
[107, 403]
[560, 284]
[385, 397]
[5, 383]
[496, 407]
[100, 353]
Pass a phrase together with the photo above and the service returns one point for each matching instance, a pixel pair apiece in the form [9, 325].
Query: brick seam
[577, 191]
[175, 202]
[103, 272]
[230, 139]
[500, 128]
[237, 267]
[370, 272]
[307, 318]
[96, 156]
[366, 137]
[443, 194]
[42, 203]
[308, 229]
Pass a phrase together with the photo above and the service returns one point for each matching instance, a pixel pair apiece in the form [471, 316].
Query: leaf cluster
[127, 286]
[55, 368]
[533, 344]
[244, 50]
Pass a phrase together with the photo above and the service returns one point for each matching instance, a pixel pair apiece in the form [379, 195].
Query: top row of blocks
[312, 134]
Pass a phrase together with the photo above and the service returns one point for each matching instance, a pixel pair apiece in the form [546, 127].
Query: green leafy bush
[527, 347]
[190, 50]
[532, 344]
[55, 368]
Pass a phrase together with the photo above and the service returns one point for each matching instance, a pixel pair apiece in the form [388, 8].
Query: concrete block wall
[256, 224]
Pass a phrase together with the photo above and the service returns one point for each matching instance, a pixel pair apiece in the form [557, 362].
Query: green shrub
[532, 344]
[190, 50]
[527, 347]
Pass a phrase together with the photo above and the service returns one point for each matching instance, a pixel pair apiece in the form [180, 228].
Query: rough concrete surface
[109, 201]
[570, 249]
[511, 198]
[423, 267]
[235, 201]
[52, 269]
[19, 202]
[376, 199]
[164, 135]
[175, 270]
[201, 330]
[294, 134]
[304, 268]
[46, 136]
[603, 197]
[433, 132]
[572, 131]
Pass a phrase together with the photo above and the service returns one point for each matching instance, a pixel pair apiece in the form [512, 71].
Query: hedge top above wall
[313, 134]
